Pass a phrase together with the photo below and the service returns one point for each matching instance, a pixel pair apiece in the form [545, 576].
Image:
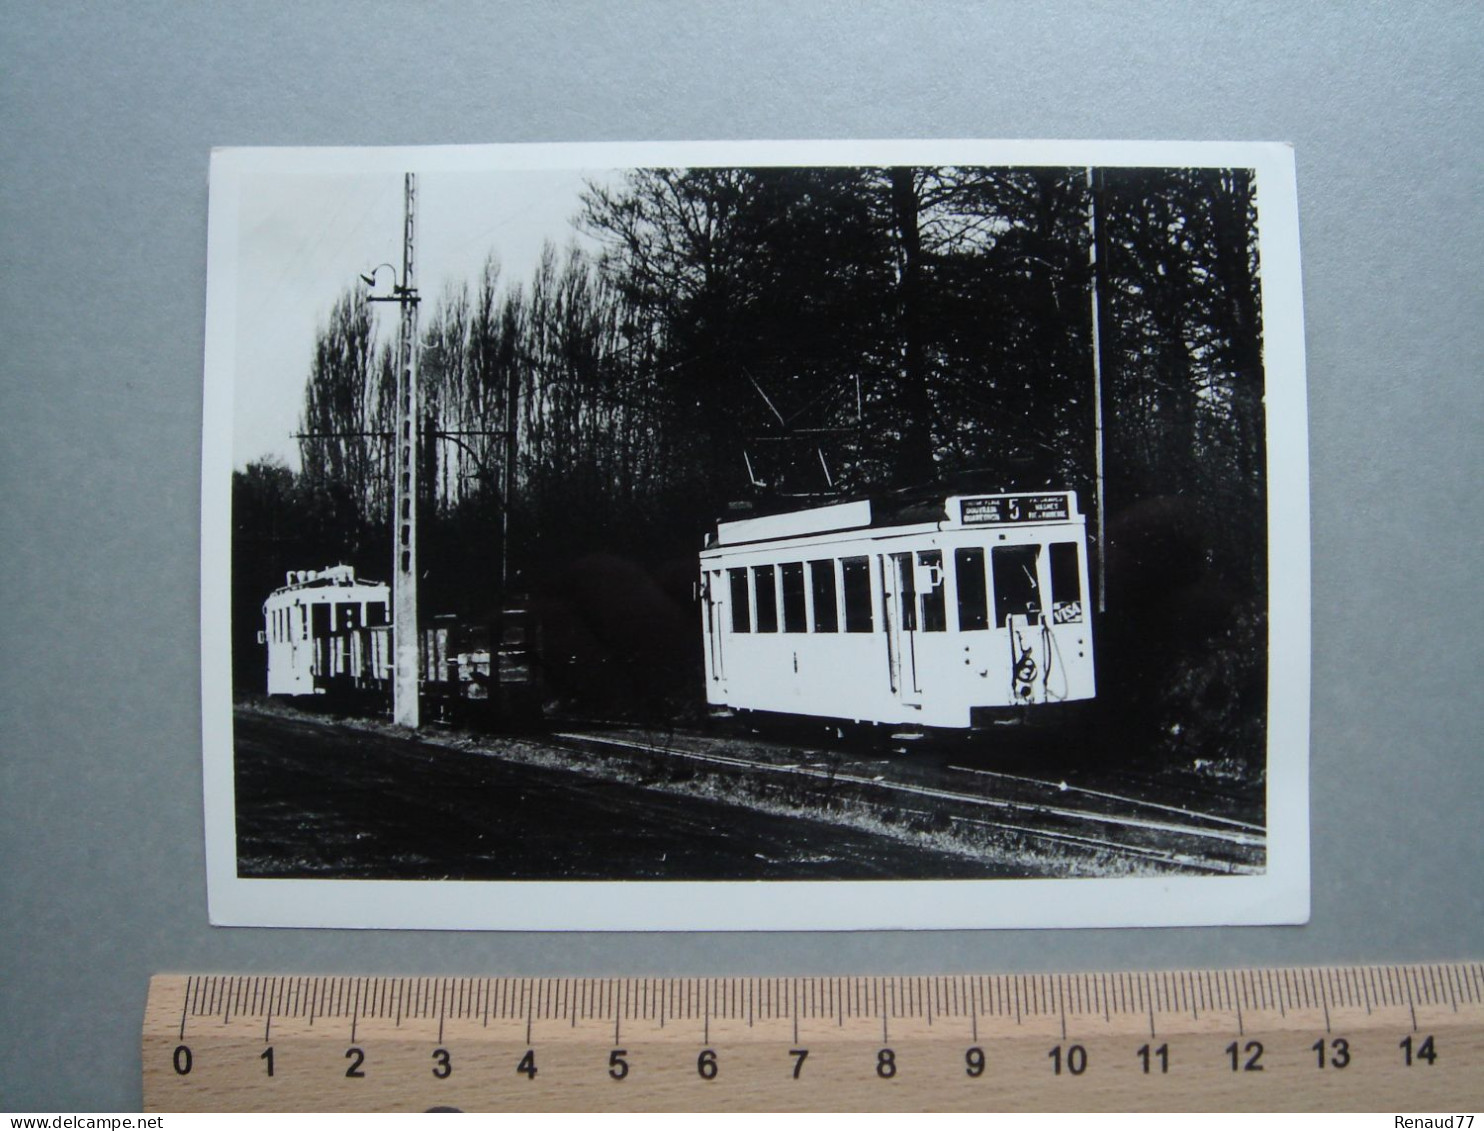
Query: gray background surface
[109, 113]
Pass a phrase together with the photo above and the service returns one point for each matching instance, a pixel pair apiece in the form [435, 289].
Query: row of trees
[773, 336]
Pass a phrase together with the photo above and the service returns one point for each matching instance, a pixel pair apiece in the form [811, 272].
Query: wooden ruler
[1367, 1038]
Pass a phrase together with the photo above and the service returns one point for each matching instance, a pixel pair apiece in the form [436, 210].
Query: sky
[303, 238]
[297, 226]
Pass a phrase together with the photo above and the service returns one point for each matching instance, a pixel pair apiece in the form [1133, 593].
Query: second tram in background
[328, 636]
[949, 612]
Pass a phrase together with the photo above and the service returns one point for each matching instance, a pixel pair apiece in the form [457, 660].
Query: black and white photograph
[756, 536]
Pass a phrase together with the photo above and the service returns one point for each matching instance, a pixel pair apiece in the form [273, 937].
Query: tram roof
[337, 576]
[948, 511]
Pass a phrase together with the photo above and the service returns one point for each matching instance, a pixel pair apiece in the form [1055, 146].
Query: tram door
[300, 671]
[899, 599]
[714, 613]
[1018, 609]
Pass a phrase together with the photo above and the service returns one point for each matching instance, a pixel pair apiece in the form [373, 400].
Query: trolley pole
[405, 667]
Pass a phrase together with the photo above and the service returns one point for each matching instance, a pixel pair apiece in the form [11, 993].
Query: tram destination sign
[1012, 508]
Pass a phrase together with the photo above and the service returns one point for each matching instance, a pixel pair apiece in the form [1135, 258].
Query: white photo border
[1279, 895]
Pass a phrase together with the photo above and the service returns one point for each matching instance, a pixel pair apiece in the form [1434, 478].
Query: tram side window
[857, 576]
[906, 591]
[741, 609]
[791, 577]
[973, 595]
[1066, 584]
[822, 580]
[1016, 590]
[766, 588]
[934, 614]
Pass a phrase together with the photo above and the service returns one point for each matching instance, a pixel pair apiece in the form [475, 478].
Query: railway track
[996, 804]
[1042, 825]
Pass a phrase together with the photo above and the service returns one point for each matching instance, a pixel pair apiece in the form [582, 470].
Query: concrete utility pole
[1097, 263]
[404, 577]
[405, 667]
[507, 476]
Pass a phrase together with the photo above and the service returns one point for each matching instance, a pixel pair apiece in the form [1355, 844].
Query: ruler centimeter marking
[1401, 1038]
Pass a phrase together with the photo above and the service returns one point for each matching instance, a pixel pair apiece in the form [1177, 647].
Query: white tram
[946, 613]
[327, 631]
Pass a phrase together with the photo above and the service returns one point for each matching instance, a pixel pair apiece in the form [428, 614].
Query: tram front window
[1016, 590]
[1066, 583]
[973, 599]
